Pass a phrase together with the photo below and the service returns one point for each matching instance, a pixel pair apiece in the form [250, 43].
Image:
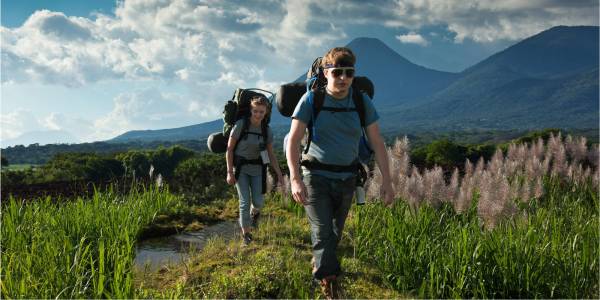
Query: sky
[96, 69]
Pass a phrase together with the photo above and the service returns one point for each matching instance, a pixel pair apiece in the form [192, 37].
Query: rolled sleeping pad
[289, 94]
[217, 143]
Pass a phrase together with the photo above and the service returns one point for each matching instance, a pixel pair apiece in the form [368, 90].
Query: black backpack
[235, 109]
[289, 95]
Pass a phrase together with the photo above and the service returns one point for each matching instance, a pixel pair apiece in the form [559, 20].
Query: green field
[522, 225]
[19, 167]
[85, 249]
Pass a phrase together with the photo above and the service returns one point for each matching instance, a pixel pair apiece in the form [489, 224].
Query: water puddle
[152, 254]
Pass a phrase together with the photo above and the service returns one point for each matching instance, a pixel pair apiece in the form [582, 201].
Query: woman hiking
[329, 168]
[249, 150]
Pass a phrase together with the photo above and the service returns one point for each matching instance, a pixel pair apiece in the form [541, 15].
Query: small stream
[154, 253]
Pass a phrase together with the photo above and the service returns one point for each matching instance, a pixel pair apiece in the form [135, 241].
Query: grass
[549, 251]
[85, 249]
[79, 249]
[275, 265]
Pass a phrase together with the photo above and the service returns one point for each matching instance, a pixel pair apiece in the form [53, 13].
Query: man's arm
[292, 151]
[374, 136]
[274, 163]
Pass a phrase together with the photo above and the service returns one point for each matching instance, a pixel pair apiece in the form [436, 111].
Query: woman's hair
[260, 100]
[338, 57]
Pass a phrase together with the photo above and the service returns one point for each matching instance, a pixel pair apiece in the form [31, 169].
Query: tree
[135, 162]
[166, 160]
[77, 166]
[445, 154]
[4, 161]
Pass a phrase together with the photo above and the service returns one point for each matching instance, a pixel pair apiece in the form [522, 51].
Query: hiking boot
[247, 238]
[254, 216]
[330, 287]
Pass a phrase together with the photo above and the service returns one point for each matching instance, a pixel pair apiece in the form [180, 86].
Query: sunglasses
[337, 72]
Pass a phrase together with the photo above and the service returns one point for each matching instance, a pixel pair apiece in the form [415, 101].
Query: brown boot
[330, 287]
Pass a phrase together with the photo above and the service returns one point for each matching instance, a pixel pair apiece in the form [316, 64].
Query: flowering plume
[500, 183]
[433, 182]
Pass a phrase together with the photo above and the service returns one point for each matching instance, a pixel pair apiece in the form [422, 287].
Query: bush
[201, 179]
[77, 166]
[166, 160]
[449, 155]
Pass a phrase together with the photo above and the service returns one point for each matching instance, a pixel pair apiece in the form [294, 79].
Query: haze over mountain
[547, 80]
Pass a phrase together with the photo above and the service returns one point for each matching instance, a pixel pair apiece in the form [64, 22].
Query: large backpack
[235, 109]
[289, 95]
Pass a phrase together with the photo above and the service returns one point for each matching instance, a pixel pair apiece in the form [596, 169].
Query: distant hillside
[193, 132]
[547, 80]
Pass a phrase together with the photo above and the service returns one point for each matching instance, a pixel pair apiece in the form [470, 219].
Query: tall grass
[79, 249]
[550, 251]
[523, 225]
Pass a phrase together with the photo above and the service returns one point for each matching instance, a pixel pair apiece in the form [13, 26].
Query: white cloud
[412, 38]
[213, 47]
[15, 123]
[152, 109]
[79, 127]
[490, 20]
[22, 121]
[186, 39]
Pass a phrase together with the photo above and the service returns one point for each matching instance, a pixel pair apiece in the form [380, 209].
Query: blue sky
[96, 69]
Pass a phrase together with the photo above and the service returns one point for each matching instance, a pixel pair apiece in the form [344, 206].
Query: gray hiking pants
[329, 201]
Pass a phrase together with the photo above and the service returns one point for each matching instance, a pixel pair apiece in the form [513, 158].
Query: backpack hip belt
[239, 161]
[312, 163]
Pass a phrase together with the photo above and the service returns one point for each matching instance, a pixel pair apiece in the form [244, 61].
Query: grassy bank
[275, 265]
[79, 249]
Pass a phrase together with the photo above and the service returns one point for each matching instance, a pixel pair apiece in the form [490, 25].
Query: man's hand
[280, 181]
[299, 191]
[387, 193]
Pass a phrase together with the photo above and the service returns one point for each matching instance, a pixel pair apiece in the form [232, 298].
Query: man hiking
[331, 164]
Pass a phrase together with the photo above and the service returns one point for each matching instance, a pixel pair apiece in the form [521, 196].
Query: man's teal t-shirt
[337, 133]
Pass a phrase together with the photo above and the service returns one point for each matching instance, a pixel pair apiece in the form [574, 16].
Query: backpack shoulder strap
[265, 131]
[359, 104]
[245, 127]
[318, 99]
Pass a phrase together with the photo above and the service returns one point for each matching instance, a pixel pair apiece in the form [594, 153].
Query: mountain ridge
[503, 88]
[527, 85]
